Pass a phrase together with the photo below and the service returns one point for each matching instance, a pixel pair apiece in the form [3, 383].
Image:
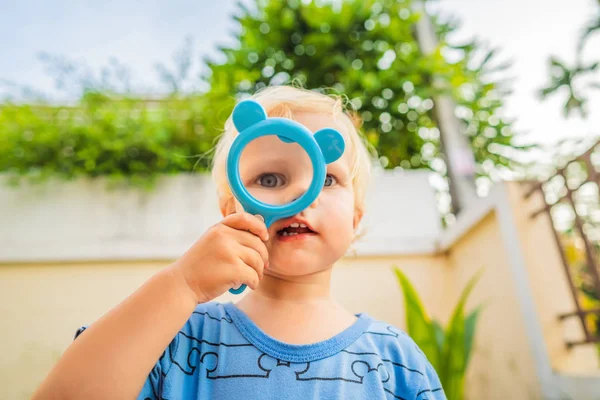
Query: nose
[298, 191]
[298, 185]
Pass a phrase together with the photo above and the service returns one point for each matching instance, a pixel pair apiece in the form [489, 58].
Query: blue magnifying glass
[251, 122]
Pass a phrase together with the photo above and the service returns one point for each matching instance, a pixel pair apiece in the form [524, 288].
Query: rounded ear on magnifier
[331, 143]
[247, 113]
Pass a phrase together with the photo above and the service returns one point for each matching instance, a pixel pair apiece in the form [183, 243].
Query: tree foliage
[367, 51]
[121, 138]
[578, 81]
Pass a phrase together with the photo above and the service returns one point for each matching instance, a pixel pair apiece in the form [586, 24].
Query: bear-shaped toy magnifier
[251, 122]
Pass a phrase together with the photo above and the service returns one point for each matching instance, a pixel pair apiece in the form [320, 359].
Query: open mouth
[295, 229]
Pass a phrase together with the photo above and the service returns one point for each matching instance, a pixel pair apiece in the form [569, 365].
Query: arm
[113, 357]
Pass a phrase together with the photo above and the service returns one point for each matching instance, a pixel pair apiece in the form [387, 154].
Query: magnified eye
[330, 180]
[270, 180]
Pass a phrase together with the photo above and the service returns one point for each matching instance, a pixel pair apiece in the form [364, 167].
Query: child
[285, 339]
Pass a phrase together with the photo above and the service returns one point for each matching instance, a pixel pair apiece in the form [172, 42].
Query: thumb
[238, 207]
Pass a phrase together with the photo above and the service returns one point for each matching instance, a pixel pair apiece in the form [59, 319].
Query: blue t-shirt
[221, 354]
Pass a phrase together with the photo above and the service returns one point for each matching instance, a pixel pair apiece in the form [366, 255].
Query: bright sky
[139, 36]
[527, 32]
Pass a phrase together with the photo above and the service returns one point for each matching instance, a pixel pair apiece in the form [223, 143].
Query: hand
[229, 254]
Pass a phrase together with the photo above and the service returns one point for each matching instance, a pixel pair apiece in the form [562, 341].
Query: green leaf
[593, 26]
[470, 325]
[419, 326]
[440, 335]
[454, 354]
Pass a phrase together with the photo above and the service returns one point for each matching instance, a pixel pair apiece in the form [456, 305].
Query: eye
[270, 180]
[330, 180]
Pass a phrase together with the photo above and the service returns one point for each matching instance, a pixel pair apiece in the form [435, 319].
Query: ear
[247, 113]
[331, 143]
[227, 206]
[358, 214]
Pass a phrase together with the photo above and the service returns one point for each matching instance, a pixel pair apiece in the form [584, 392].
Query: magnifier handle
[241, 289]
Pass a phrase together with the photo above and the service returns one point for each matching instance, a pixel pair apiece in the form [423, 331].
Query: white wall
[80, 220]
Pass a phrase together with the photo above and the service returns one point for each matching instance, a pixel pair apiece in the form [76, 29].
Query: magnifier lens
[275, 172]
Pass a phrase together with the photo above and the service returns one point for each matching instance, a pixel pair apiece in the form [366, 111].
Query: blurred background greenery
[364, 50]
[367, 51]
[580, 78]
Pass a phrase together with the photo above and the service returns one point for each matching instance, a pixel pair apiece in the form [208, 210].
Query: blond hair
[283, 101]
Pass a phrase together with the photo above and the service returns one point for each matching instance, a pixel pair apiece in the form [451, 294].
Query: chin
[295, 268]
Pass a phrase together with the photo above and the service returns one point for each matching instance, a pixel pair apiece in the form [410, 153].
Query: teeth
[303, 226]
[284, 234]
[294, 225]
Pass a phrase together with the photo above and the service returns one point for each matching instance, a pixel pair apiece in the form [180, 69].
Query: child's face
[276, 172]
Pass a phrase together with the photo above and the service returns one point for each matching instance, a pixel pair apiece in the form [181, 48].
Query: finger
[246, 275]
[247, 222]
[253, 259]
[253, 242]
[249, 240]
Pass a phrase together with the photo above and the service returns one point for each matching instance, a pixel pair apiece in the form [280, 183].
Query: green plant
[122, 138]
[364, 49]
[368, 50]
[576, 81]
[449, 349]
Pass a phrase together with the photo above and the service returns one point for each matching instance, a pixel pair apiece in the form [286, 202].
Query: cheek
[338, 214]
